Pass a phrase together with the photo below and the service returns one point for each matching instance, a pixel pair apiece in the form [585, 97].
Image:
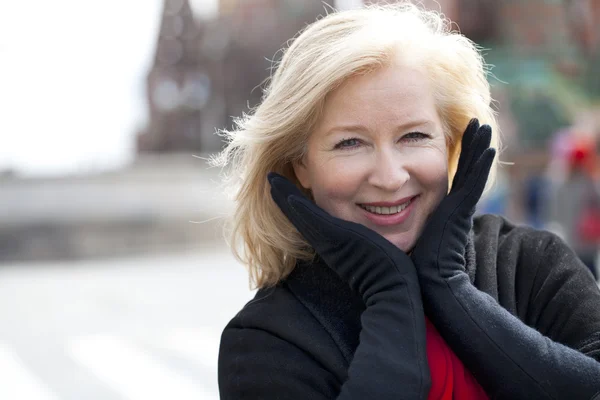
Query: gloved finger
[484, 134]
[281, 189]
[282, 185]
[465, 152]
[324, 226]
[476, 182]
[482, 141]
[313, 223]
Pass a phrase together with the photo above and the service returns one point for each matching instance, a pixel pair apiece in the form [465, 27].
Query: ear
[301, 172]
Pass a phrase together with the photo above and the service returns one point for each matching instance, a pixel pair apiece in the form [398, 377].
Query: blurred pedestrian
[374, 279]
[574, 201]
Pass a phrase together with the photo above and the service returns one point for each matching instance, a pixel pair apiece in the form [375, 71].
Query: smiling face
[378, 155]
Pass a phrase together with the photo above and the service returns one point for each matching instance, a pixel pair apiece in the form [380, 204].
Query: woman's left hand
[439, 252]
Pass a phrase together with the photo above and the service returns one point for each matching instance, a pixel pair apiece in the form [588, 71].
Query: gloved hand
[391, 358]
[439, 252]
[508, 358]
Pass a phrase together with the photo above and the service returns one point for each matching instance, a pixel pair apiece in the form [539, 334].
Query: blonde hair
[331, 50]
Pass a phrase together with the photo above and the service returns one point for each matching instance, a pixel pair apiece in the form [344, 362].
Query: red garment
[450, 380]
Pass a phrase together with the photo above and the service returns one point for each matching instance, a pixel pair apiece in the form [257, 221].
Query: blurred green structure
[546, 54]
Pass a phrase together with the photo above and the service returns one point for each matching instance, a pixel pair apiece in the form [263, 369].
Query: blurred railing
[160, 203]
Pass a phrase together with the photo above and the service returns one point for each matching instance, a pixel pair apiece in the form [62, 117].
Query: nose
[389, 171]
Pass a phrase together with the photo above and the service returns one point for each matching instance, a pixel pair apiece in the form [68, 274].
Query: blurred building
[178, 86]
[538, 26]
[206, 71]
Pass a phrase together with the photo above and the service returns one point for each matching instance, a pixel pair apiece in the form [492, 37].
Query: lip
[393, 219]
[389, 204]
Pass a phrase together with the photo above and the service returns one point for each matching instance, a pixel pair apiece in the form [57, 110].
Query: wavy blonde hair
[334, 48]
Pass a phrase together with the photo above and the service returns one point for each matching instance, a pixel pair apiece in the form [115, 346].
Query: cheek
[429, 167]
[335, 185]
[435, 175]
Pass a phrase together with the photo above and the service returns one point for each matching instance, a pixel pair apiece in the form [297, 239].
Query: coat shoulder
[513, 260]
[536, 276]
[269, 310]
[277, 315]
[274, 348]
[488, 226]
[496, 235]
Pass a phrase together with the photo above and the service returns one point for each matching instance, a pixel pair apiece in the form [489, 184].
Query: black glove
[439, 252]
[509, 359]
[391, 359]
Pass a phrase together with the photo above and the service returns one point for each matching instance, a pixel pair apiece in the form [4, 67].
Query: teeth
[386, 210]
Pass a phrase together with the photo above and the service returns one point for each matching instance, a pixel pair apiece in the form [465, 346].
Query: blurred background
[115, 281]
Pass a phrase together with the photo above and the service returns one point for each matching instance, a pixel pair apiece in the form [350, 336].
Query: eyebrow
[359, 127]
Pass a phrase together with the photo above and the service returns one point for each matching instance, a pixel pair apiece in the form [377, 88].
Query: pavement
[139, 328]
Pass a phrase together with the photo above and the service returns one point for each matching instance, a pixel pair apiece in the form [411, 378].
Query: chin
[403, 243]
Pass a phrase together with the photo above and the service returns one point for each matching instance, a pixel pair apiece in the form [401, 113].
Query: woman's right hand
[391, 358]
[363, 258]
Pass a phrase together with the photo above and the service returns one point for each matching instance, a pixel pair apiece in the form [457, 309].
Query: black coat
[297, 340]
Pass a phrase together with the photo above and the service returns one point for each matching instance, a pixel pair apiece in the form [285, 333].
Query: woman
[375, 281]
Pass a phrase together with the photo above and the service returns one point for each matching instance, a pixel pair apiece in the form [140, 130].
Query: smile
[386, 210]
[389, 214]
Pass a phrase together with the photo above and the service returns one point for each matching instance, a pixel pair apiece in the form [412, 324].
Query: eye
[348, 144]
[415, 136]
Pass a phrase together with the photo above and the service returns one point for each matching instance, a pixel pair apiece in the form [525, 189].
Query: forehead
[392, 94]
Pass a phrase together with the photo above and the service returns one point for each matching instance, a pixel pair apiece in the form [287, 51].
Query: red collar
[450, 380]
